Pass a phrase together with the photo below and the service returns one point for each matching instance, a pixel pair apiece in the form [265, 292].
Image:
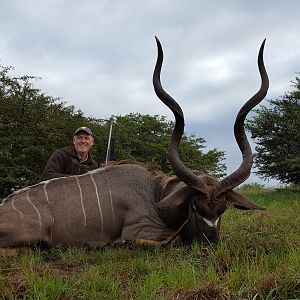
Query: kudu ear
[241, 202]
[177, 197]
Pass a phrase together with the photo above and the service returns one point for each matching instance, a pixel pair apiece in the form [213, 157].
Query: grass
[258, 258]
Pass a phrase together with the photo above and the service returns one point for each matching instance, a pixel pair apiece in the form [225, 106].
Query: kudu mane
[154, 168]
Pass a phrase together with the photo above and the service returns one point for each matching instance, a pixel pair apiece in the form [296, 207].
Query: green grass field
[258, 258]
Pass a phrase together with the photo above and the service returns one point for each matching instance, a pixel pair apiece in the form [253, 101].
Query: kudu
[127, 202]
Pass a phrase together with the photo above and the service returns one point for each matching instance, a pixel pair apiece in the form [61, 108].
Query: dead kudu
[127, 202]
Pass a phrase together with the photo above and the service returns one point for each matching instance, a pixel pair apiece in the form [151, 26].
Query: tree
[32, 126]
[146, 138]
[276, 130]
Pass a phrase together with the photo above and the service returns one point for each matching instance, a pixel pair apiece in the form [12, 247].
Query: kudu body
[127, 202]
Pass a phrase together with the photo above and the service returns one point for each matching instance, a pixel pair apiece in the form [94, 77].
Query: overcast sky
[99, 56]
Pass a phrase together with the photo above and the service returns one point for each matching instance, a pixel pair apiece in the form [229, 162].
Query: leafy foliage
[146, 138]
[276, 132]
[33, 125]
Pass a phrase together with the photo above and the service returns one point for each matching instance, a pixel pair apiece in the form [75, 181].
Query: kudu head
[205, 196]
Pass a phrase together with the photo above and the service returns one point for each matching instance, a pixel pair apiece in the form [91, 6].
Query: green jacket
[65, 162]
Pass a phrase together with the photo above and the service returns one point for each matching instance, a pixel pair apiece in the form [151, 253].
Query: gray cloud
[99, 55]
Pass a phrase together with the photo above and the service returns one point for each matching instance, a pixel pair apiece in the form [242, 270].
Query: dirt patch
[59, 268]
[14, 284]
[14, 279]
[209, 292]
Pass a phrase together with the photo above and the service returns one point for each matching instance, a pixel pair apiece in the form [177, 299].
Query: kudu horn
[243, 172]
[179, 169]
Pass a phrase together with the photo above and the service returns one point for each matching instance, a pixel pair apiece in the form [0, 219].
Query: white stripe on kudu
[98, 200]
[46, 193]
[48, 201]
[110, 196]
[81, 201]
[13, 206]
[37, 211]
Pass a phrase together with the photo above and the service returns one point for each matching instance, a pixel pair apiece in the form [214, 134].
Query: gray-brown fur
[126, 201]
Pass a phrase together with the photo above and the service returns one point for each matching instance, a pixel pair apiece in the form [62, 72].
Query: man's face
[83, 143]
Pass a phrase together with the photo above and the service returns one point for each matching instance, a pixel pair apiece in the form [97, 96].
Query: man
[73, 160]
